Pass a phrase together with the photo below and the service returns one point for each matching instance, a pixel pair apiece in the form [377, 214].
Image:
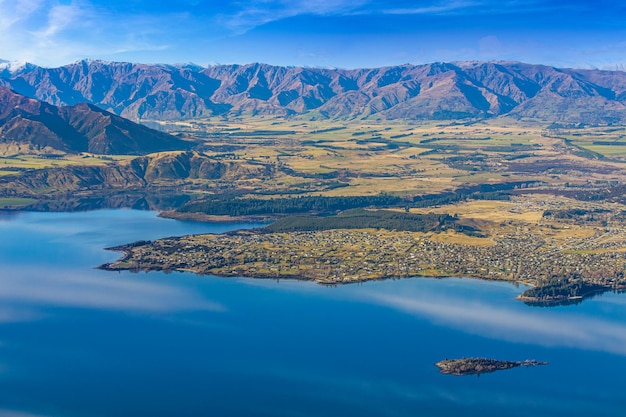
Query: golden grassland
[407, 157]
[366, 157]
[524, 213]
[493, 211]
[518, 241]
[457, 238]
[59, 160]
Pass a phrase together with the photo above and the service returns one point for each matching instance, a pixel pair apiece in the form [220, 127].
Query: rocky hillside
[437, 90]
[169, 169]
[79, 128]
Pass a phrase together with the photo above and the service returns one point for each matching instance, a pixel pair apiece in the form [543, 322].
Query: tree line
[231, 205]
[372, 219]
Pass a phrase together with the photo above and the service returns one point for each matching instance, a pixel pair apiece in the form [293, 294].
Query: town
[536, 253]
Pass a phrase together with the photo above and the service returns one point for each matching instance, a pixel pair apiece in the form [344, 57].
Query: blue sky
[320, 33]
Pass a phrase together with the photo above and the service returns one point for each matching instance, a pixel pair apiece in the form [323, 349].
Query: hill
[79, 128]
[431, 91]
[153, 172]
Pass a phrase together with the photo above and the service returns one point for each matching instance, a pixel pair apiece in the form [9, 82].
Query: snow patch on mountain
[14, 67]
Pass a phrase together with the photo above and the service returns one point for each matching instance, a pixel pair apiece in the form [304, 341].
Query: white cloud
[440, 8]
[60, 18]
[260, 12]
[480, 7]
[32, 29]
[12, 12]
[52, 32]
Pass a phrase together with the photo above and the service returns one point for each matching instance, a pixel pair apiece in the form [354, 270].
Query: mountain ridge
[154, 171]
[78, 128]
[456, 90]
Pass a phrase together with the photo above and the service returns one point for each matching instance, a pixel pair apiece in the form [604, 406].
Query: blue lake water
[77, 341]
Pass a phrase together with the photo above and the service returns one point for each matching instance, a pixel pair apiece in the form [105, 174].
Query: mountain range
[432, 91]
[79, 128]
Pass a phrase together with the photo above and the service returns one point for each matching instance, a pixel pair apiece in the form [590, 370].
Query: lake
[77, 341]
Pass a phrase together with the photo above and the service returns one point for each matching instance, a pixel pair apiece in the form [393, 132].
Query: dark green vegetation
[521, 199]
[597, 216]
[587, 215]
[374, 219]
[561, 290]
[227, 205]
[263, 133]
[477, 366]
[614, 192]
[234, 206]
[560, 260]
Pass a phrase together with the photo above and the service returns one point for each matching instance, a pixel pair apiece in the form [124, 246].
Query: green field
[15, 202]
[365, 158]
[607, 141]
[413, 157]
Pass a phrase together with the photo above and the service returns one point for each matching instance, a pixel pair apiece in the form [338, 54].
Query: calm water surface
[76, 341]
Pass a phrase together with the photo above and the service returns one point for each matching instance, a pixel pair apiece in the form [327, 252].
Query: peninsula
[520, 198]
[559, 261]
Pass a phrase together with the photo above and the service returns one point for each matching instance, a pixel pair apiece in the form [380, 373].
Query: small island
[477, 366]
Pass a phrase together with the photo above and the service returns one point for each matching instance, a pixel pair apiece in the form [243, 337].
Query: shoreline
[126, 250]
[477, 366]
[209, 218]
[343, 256]
[565, 300]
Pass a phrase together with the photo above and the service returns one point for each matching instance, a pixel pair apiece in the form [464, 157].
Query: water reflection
[80, 341]
[12, 314]
[511, 321]
[131, 200]
[74, 288]
[14, 413]
[8, 215]
[48, 260]
[484, 308]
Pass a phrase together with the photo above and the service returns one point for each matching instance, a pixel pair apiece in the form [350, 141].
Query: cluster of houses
[343, 256]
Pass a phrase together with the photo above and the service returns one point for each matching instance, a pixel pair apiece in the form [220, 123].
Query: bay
[77, 341]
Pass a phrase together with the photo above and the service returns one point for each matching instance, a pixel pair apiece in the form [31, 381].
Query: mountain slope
[156, 170]
[79, 128]
[437, 90]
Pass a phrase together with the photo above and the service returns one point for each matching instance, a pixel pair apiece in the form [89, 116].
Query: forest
[374, 219]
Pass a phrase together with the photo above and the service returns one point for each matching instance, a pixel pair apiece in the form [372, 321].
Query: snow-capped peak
[13, 67]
